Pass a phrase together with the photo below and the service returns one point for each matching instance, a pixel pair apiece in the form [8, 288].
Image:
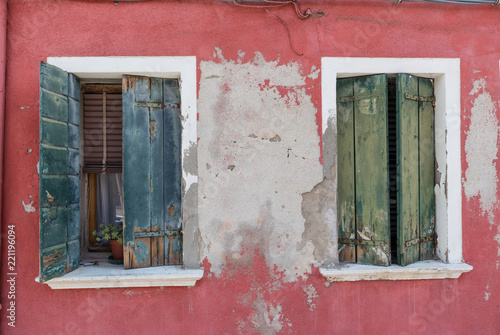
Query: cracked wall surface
[259, 149]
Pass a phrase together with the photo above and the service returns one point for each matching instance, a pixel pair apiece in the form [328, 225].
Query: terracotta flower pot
[116, 249]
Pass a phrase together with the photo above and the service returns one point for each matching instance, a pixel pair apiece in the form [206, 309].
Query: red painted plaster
[226, 305]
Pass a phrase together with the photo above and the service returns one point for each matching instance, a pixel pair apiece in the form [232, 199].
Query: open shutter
[367, 178]
[345, 152]
[151, 172]
[415, 165]
[58, 175]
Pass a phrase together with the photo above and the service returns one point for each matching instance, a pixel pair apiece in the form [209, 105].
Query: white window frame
[446, 75]
[184, 69]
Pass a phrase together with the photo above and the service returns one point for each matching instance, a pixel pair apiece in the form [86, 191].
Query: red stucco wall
[39, 29]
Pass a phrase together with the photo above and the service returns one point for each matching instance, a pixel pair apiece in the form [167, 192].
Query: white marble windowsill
[420, 270]
[107, 275]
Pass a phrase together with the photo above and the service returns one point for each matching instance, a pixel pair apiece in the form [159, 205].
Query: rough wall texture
[264, 198]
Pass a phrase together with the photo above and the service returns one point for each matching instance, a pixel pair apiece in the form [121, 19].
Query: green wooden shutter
[58, 176]
[415, 168]
[345, 152]
[151, 172]
[362, 170]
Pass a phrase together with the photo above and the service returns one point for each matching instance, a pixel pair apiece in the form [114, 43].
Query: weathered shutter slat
[59, 168]
[371, 181]
[427, 169]
[172, 171]
[149, 165]
[345, 152]
[408, 169]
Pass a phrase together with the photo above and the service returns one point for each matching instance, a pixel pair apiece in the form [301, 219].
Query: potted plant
[113, 234]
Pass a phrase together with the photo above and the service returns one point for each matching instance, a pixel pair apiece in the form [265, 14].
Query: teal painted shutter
[58, 176]
[151, 172]
[415, 168]
[362, 170]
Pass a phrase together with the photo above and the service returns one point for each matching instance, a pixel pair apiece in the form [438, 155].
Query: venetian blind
[102, 110]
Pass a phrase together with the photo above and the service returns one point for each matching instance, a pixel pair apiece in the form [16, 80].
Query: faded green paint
[407, 162]
[172, 167]
[59, 168]
[415, 122]
[345, 154]
[371, 180]
[427, 168]
[362, 171]
[151, 171]
[53, 105]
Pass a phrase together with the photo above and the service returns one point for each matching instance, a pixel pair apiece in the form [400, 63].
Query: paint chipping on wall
[312, 295]
[255, 208]
[266, 318]
[28, 208]
[481, 150]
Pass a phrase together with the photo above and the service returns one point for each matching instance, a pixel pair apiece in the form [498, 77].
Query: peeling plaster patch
[486, 294]
[314, 73]
[266, 318]
[255, 209]
[318, 208]
[497, 238]
[190, 163]
[28, 208]
[477, 85]
[481, 150]
[312, 294]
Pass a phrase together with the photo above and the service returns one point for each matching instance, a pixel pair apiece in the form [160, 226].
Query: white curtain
[109, 198]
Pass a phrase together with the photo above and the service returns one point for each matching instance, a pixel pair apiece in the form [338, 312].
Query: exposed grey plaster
[190, 228]
[190, 161]
[330, 149]
[481, 150]
[257, 204]
[318, 208]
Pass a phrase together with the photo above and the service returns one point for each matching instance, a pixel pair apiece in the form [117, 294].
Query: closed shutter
[102, 110]
[415, 168]
[151, 172]
[363, 173]
[59, 168]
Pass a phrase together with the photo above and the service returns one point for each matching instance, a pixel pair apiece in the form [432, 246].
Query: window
[445, 74]
[385, 141]
[153, 140]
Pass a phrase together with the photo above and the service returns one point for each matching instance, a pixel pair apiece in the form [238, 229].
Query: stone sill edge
[416, 271]
[114, 277]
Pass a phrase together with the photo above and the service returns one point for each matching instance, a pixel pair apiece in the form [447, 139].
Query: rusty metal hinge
[421, 98]
[419, 240]
[168, 232]
[359, 97]
[362, 242]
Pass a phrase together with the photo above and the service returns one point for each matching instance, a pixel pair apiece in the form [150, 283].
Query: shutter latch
[409, 243]
[167, 232]
[421, 98]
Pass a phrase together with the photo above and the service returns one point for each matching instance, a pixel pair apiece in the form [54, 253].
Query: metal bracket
[149, 104]
[358, 97]
[362, 242]
[167, 232]
[410, 243]
[421, 99]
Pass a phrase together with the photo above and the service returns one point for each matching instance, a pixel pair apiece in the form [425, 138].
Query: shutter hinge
[429, 238]
[421, 98]
[362, 242]
[359, 97]
[168, 232]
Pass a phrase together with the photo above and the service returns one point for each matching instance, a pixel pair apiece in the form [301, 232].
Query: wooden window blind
[103, 119]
